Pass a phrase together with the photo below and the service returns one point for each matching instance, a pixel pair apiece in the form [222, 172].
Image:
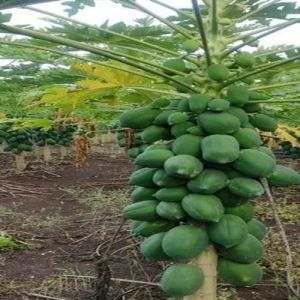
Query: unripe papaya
[177, 64]
[244, 59]
[238, 95]
[218, 72]
[190, 45]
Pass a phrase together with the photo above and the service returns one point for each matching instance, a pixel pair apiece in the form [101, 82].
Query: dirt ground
[64, 219]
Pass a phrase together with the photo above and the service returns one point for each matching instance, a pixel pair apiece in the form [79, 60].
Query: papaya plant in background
[198, 154]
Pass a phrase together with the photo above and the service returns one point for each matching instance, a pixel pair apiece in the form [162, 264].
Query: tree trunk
[207, 261]
[20, 163]
[47, 154]
[63, 152]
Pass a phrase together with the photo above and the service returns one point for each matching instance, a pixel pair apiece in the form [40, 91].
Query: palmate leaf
[72, 7]
[278, 11]
[108, 75]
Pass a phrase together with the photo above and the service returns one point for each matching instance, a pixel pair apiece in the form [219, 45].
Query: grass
[4, 211]
[8, 243]
[42, 222]
[100, 200]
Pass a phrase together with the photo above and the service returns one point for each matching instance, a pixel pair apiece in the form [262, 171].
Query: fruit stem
[252, 13]
[281, 26]
[178, 11]
[176, 28]
[207, 261]
[201, 30]
[265, 87]
[62, 53]
[261, 70]
[126, 37]
[214, 18]
[91, 49]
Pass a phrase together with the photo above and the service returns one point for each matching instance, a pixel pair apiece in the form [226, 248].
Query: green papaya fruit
[176, 64]
[151, 248]
[138, 118]
[181, 280]
[143, 193]
[183, 166]
[220, 149]
[209, 181]
[263, 122]
[240, 113]
[248, 138]
[218, 72]
[218, 105]
[153, 158]
[245, 187]
[155, 133]
[244, 59]
[162, 179]
[248, 251]
[218, 123]
[228, 232]
[172, 194]
[257, 228]
[238, 95]
[244, 211]
[142, 177]
[254, 163]
[204, 208]
[141, 211]
[190, 45]
[239, 274]
[284, 176]
[180, 129]
[184, 241]
[162, 118]
[187, 144]
[170, 210]
[177, 118]
[198, 103]
[146, 229]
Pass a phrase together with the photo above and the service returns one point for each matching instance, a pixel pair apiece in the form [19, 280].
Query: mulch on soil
[66, 215]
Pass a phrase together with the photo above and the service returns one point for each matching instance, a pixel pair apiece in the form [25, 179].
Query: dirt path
[64, 214]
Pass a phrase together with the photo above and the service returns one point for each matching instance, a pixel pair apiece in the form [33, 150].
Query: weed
[99, 200]
[226, 293]
[38, 222]
[8, 243]
[4, 211]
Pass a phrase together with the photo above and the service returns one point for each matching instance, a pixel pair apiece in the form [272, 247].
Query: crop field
[149, 150]
[64, 220]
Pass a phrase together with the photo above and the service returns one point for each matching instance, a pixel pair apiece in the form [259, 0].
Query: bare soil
[64, 219]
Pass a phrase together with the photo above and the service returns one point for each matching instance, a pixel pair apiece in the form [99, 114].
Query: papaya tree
[198, 154]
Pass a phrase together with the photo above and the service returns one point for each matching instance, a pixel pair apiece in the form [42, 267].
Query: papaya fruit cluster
[288, 148]
[198, 164]
[17, 141]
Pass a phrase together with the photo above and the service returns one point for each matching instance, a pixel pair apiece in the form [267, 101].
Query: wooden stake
[207, 261]
[20, 163]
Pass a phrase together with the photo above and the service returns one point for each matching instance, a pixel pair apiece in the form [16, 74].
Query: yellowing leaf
[283, 134]
[54, 94]
[109, 75]
[96, 84]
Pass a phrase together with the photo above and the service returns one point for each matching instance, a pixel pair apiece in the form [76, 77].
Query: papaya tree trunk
[207, 261]
[47, 154]
[63, 152]
[20, 163]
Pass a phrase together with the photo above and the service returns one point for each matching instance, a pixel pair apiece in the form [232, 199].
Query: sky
[108, 10]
